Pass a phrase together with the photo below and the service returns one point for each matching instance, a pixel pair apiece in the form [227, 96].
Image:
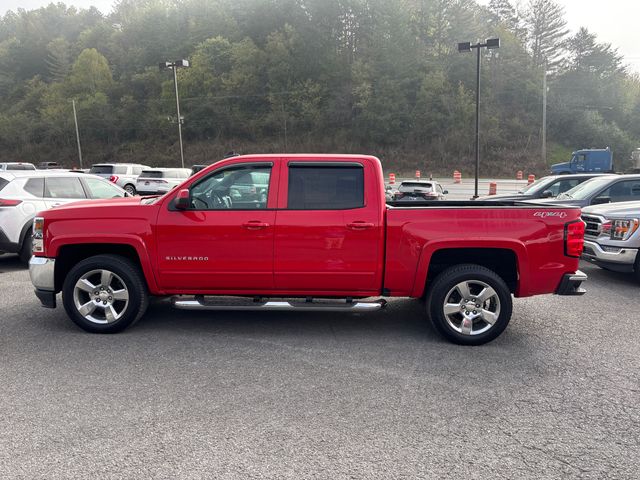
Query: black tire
[439, 294]
[131, 277]
[636, 268]
[26, 249]
[130, 189]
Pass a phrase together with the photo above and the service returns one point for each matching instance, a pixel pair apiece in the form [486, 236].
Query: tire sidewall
[126, 271]
[26, 249]
[451, 277]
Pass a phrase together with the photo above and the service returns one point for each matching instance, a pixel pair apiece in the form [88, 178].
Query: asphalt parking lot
[272, 395]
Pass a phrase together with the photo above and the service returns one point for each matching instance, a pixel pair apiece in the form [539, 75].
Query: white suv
[158, 181]
[16, 166]
[25, 193]
[123, 175]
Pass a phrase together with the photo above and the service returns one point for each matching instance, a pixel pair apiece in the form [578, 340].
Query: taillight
[38, 235]
[113, 178]
[9, 202]
[574, 238]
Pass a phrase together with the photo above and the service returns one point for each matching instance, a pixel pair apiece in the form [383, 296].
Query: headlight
[623, 229]
[38, 235]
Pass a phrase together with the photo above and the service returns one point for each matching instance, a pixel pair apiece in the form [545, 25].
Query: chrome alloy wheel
[101, 296]
[471, 307]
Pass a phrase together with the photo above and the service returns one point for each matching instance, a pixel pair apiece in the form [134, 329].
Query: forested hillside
[367, 76]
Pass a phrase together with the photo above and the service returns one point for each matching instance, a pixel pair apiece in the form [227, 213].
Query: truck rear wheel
[105, 294]
[469, 304]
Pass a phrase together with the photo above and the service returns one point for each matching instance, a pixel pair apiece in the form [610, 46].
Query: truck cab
[588, 160]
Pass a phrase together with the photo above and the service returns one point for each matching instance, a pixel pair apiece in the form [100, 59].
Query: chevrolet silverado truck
[322, 238]
[612, 236]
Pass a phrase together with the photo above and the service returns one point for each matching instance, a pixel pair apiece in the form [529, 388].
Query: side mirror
[601, 200]
[446, 192]
[182, 200]
[547, 194]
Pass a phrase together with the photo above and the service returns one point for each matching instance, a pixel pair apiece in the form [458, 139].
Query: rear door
[329, 230]
[222, 244]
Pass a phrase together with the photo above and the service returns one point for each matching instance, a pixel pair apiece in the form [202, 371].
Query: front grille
[594, 225]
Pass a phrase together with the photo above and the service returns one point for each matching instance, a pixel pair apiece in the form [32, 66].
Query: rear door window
[101, 169]
[331, 187]
[3, 183]
[151, 174]
[60, 187]
[35, 186]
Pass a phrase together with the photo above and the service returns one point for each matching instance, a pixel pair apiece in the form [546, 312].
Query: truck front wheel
[469, 304]
[104, 294]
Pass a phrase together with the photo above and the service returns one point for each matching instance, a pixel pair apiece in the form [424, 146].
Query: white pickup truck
[612, 236]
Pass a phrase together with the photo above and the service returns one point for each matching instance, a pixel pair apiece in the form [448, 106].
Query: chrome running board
[200, 303]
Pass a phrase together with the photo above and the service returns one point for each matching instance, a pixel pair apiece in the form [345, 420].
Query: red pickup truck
[303, 232]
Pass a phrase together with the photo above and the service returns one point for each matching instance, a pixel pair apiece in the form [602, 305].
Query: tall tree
[547, 30]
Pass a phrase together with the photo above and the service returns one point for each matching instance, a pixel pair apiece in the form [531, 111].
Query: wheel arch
[70, 254]
[509, 260]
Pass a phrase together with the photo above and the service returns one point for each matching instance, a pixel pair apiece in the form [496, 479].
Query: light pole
[174, 66]
[463, 48]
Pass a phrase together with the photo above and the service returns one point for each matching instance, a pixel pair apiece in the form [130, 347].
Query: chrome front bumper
[41, 271]
[620, 256]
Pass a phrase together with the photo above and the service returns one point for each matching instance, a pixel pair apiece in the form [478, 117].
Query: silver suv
[612, 236]
[123, 175]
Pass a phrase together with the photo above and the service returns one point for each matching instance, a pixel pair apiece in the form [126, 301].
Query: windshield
[537, 186]
[585, 190]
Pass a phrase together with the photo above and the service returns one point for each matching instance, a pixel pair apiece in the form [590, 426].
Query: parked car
[25, 193]
[545, 187]
[196, 168]
[158, 181]
[49, 165]
[389, 192]
[612, 236]
[325, 236]
[603, 189]
[412, 191]
[16, 166]
[123, 175]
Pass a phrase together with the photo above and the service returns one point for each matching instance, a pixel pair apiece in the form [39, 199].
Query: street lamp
[174, 66]
[465, 47]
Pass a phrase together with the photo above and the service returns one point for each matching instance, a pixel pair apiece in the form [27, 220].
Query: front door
[329, 229]
[224, 242]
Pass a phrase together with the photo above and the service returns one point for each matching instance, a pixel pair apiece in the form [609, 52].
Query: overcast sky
[614, 21]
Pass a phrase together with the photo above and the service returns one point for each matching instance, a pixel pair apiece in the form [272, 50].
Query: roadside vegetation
[368, 76]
